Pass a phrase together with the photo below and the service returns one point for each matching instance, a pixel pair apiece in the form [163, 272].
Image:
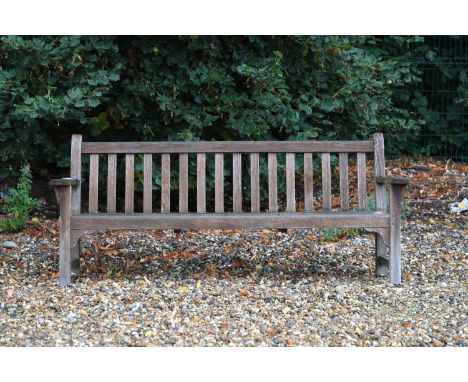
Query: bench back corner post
[75, 172]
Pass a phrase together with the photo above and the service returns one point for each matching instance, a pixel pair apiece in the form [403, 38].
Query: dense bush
[203, 87]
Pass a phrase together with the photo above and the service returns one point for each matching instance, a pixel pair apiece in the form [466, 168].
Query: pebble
[240, 288]
[9, 244]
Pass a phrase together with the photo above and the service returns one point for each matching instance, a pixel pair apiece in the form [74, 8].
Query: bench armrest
[391, 180]
[64, 182]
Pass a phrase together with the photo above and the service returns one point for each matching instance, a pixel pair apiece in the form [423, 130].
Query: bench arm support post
[63, 190]
[397, 186]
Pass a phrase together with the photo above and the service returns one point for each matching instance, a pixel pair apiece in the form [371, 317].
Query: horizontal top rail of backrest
[227, 147]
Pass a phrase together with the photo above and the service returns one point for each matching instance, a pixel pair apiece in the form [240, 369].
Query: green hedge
[202, 88]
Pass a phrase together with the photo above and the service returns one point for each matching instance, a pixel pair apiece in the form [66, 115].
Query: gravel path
[216, 288]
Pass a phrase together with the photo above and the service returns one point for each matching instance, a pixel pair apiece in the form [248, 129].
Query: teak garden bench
[74, 223]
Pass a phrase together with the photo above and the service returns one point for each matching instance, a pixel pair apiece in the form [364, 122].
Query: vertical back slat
[272, 183]
[308, 182]
[75, 172]
[290, 182]
[201, 183]
[93, 183]
[326, 182]
[147, 183]
[237, 182]
[183, 183]
[344, 182]
[129, 182]
[379, 169]
[219, 183]
[361, 167]
[111, 182]
[165, 183]
[254, 183]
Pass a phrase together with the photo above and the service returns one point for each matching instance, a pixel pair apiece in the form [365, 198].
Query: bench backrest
[220, 149]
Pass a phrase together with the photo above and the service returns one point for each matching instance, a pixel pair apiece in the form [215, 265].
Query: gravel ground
[239, 288]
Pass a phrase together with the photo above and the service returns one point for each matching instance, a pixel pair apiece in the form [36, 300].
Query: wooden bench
[74, 222]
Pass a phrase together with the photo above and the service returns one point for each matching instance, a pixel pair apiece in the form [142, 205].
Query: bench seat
[351, 219]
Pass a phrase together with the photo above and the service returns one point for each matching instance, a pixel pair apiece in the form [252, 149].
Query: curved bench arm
[391, 180]
[62, 182]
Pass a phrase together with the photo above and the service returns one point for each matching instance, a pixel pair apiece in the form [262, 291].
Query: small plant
[405, 208]
[18, 204]
[331, 234]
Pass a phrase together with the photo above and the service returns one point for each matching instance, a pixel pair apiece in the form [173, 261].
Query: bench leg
[381, 257]
[75, 258]
[396, 192]
[64, 196]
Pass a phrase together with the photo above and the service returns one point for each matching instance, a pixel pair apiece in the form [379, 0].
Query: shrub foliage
[203, 87]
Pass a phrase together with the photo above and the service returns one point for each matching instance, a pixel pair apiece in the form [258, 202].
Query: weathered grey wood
[147, 183]
[64, 182]
[129, 182]
[64, 194]
[379, 170]
[396, 192]
[183, 183]
[219, 183]
[111, 182]
[326, 182]
[308, 182]
[391, 180]
[381, 257]
[290, 183]
[344, 182]
[75, 258]
[93, 182]
[165, 183]
[201, 183]
[231, 220]
[254, 183]
[75, 172]
[226, 147]
[361, 178]
[272, 183]
[237, 182]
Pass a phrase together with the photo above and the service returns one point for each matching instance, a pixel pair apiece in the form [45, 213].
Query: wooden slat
[344, 182]
[361, 169]
[165, 183]
[93, 182]
[231, 220]
[290, 183]
[326, 182]
[272, 183]
[201, 183]
[227, 147]
[254, 183]
[111, 182]
[129, 182]
[219, 183]
[183, 183]
[308, 182]
[147, 183]
[75, 172]
[237, 182]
